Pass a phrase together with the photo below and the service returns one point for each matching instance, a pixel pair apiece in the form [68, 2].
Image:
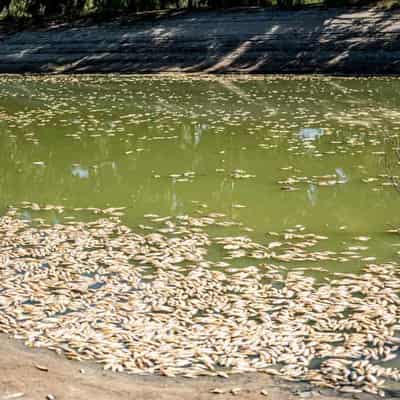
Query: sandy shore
[333, 41]
[22, 376]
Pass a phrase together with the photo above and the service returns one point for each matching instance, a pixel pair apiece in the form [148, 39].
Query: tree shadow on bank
[246, 40]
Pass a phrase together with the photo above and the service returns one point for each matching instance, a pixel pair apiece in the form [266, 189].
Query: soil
[254, 40]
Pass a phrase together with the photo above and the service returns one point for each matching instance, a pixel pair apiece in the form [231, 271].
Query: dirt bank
[255, 40]
[22, 376]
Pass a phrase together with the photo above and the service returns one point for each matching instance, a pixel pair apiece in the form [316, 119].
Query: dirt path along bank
[334, 41]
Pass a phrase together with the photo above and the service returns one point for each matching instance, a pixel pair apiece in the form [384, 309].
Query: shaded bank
[246, 41]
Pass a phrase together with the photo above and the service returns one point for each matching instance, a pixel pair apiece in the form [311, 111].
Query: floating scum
[155, 303]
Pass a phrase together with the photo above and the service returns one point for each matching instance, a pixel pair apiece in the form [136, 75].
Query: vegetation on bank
[37, 9]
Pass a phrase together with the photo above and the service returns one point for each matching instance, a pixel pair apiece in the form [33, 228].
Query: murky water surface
[285, 173]
[271, 153]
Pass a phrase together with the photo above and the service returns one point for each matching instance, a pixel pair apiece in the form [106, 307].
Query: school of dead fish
[155, 303]
[156, 300]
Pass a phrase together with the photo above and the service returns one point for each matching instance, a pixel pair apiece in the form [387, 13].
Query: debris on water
[238, 206]
[241, 174]
[289, 188]
[362, 238]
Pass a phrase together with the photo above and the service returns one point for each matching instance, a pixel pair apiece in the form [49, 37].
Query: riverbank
[329, 41]
[35, 374]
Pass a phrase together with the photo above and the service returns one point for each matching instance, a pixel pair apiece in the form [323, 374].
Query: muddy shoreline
[251, 41]
[23, 373]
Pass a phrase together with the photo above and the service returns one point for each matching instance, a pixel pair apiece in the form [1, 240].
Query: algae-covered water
[269, 152]
[231, 215]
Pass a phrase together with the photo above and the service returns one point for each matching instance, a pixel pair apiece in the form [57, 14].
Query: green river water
[169, 145]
